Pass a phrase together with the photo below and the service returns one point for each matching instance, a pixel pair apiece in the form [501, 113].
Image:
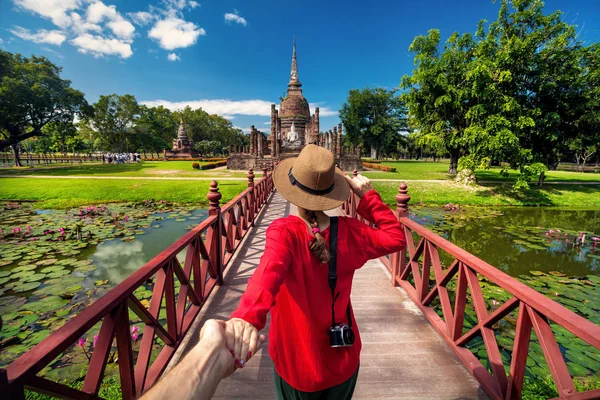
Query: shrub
[195, 165]
[466, 177]
[214, 165]
[213, 159]
[379, 167]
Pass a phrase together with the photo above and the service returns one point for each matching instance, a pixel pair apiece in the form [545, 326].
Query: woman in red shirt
[292, 282]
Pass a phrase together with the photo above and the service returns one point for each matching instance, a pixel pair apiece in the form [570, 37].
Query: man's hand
[359, 185]
[212, 338]
[243, 340]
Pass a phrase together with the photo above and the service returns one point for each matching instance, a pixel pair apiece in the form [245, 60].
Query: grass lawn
[68, 193]
[439, 193]
[429, 170]
[143, 169]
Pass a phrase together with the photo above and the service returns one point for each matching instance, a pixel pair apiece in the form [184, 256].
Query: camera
[341, 336]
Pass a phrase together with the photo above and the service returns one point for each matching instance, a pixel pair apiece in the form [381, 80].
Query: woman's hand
[243, 340]
[359, 185]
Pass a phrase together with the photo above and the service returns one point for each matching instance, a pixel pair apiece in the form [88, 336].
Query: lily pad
[5, 273]
[101, 283]
[26, 287]
[46, 304]
[22, 268]
[49, 261]
[5, 262]
[536, 273]
[4, 280]
[53, 268]
[35, 278]
[22, 274]
[58, 274]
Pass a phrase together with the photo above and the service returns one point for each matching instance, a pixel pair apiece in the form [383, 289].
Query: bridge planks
[402, 356]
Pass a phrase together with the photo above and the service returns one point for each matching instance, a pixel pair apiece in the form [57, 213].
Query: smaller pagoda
[183, 147]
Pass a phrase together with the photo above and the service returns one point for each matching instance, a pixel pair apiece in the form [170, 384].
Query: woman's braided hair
[317, 246]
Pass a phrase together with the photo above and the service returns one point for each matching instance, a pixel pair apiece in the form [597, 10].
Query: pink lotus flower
[551, 231]
[556, 293]
[28, 228]
[95, 340]
[34, 239]
[16, 230]
[546, 233]
[125, 218]
[596, 239]
[558, 230]
[81, 342]
[494, 302]
[134, 336]
[423, 219]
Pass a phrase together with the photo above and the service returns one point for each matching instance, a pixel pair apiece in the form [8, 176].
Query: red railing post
[399, 258]
[215, 209]
[251, 206]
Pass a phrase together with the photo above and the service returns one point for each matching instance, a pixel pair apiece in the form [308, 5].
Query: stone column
[259, 141]
[336, 149]
[278, 142]
[273, 129]
[252, 139]
[329, 141]
[339, 140]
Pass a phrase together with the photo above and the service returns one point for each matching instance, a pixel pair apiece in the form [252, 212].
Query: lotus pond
[55, 263]
[554, 251]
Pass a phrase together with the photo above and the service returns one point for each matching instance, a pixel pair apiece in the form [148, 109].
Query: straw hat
[311, 180]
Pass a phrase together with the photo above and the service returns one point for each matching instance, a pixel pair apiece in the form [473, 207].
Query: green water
[515, 241]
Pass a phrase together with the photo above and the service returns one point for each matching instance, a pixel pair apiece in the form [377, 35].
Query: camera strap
[333, 239]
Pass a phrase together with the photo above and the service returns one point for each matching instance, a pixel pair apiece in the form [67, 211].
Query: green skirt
[343, 391]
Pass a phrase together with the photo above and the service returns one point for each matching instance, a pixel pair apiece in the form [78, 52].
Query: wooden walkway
[402, 356]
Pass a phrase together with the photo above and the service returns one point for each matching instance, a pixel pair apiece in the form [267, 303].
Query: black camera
[341, 336]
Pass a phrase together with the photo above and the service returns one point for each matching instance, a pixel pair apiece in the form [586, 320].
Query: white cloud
[267, 123]
[173, 57]
[142, 18]
[227, 108]
[98, 12]
[181, 4]
[100, 46]
[235, 17]
[55, 10]
[79, 25]
[173, 33]
[41, 36]
[56, 53]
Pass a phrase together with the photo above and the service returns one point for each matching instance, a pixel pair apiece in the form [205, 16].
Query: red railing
[208, 250]
[412, 270]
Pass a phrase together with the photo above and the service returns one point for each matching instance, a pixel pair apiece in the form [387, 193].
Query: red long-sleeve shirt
[292, 283]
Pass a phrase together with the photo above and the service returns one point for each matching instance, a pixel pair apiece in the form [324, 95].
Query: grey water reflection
[116, 259]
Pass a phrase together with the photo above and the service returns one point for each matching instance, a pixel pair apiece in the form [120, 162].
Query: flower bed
[379, 167]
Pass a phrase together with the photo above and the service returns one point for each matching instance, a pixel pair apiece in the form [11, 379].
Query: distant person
[314, 339]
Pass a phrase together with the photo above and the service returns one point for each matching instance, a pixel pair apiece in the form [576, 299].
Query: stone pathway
[402, 356]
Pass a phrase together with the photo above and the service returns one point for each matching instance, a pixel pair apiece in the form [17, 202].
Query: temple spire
[182, 133]
[294, 82]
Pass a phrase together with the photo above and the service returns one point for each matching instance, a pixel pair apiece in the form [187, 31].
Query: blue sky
[233, 57]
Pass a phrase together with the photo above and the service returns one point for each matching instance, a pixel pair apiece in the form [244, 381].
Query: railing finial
[250, 177]
[264, 170]
[355, 172]
[402, 199]
[213, 198]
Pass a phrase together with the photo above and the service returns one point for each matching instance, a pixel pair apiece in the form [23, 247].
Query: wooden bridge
[412, 325]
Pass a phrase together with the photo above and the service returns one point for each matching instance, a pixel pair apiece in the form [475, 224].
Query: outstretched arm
[251, 315]
[199, 373]
[388, 236]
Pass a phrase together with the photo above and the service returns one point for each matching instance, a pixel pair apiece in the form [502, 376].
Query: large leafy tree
[114, 121]
[155, 128]
[438, 94]
[374, 118]
[527, 85]
[32, 95]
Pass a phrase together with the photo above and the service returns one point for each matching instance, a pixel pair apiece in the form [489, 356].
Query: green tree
[32, 95]
[157, 128]
[439, 95]
[373, 118]
[114, 120]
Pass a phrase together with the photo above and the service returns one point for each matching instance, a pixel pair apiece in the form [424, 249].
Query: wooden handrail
[210, 246]
[535, 311]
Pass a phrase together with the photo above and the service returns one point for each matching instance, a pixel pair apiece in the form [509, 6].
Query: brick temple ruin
[292, 127]
[183, 147]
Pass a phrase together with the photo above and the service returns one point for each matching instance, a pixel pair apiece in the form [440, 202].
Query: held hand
[359, 185]
[243, 340]
[212, 336]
